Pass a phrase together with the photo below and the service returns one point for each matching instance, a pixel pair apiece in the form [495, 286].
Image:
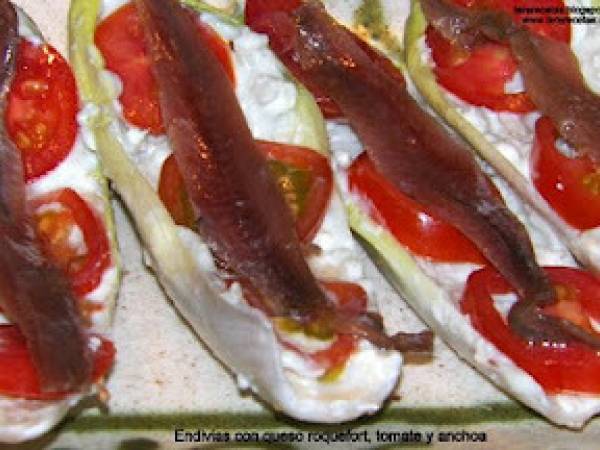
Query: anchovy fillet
[33, 292]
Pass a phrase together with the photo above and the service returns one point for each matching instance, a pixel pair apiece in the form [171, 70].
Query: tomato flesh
[58, 216]
[41, 110]
[303, 176]
[570, 185]
[479, 77]
[560, 368]
[414, 227]
[22, 380]
[120, 39]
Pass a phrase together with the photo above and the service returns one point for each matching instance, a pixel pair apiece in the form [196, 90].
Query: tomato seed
[592, 182]
[34, 88]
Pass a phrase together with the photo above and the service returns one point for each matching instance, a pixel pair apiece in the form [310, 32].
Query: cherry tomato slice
[62, 215]
[120, 39]
[479, 77]
[22, 381]
[305, 178]
[410, 223]
[303, 175]
[570, 368]
[570, 185]
[42, 107]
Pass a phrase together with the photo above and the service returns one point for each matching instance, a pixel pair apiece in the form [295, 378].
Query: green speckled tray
[166, 380]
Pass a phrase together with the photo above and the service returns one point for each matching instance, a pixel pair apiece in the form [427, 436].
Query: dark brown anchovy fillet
[467, 27]
[8, 43]
[241, 211]
[33, 293]
[413, 151]
[243, 214]
[563, 96]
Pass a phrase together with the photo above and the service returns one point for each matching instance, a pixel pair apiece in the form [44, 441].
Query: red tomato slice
[479, 77]
[570, 368]
[42, 107]
[303, 175]
[22, 381]
[120, 38]
[306, 181]
[570, 185]
[54, 227]
[410, 223]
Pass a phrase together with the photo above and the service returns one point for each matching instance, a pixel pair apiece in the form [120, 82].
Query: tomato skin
[120, 38]
[570, 185]
[309, 207]
[569, 368]
[22, 380]
[41, 110]
[479, 77]
[408, 221]
[84, 272]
